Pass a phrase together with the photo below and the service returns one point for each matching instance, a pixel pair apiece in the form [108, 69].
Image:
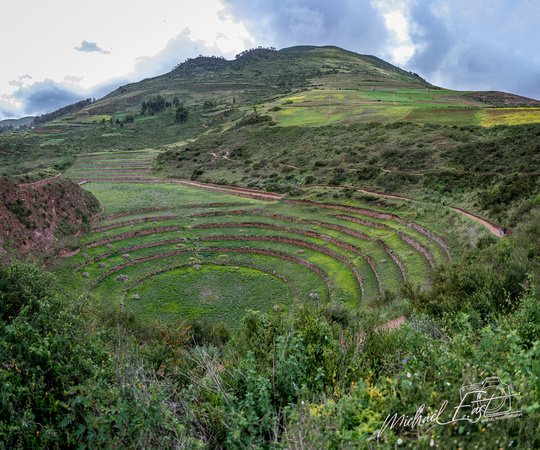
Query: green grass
[215, 293]
[125, 197]
[293, 222]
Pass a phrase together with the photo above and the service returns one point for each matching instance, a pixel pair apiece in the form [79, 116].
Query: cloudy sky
[57, 52]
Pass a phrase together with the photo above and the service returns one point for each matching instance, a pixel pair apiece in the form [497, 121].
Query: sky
[57, 52]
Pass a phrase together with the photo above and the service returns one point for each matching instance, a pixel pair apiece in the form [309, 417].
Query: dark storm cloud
[480, 45]
[90, 47]
[459, 44]
[44, 96]
[352, 24]
[47, 96]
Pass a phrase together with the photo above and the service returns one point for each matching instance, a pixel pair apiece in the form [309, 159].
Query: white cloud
[462, 44]
[131, 36]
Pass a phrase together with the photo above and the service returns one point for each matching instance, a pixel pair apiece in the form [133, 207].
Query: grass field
[330, 106]
[189, 253]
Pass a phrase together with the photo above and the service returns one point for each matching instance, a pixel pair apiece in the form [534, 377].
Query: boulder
[86, 275]
[122, 278]
[101, 265]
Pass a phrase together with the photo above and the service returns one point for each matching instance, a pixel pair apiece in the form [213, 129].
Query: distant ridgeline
[45, 118]
[49, 117]
[261, 52]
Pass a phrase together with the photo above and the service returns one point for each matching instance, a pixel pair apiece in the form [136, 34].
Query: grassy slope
[486, 170]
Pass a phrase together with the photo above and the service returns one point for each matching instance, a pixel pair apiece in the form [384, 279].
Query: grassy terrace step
[150, 263]
[380, 215]
[337, 273]
[346, 253]
[140, 215]
[393, 243]
[214, 292]
[164, 301]
[143, 232]
[129, 197]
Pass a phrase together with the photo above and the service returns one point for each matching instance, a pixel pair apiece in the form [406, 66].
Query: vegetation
[280, 379]
[291, 267]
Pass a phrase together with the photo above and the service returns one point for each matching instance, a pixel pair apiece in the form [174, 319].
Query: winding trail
[494, 229]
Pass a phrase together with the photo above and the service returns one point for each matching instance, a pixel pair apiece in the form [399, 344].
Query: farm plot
[170, 252]
[114, 165]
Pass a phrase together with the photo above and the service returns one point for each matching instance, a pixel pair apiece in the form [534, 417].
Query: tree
[181, 113]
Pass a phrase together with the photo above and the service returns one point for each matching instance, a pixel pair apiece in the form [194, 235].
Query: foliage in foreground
[320, 376]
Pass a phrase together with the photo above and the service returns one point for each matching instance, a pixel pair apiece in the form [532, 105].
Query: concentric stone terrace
[200, 254]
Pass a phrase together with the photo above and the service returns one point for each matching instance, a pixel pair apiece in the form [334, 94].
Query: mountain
[16, 123]
[271, 119]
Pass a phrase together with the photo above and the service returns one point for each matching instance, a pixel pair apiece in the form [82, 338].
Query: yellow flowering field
[510, 116]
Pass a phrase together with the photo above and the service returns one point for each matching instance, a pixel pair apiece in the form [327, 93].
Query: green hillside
[291, 249]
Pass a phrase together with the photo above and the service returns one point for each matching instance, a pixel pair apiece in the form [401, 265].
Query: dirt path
[494, 229]
[390, 325]
[222, 156]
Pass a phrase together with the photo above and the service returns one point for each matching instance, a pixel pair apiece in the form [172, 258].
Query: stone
[409, 253]
[222, 256]
[300, 251]
[136, 297]
[85, 255]
[192, 259]
[122, 278]
[313, 295]
[236, 267]
[383, 260]
[276, 308]
[125, 255]
[101, 265]
[179, 245]
[108, 246]
[86, 275]
[197, 267]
